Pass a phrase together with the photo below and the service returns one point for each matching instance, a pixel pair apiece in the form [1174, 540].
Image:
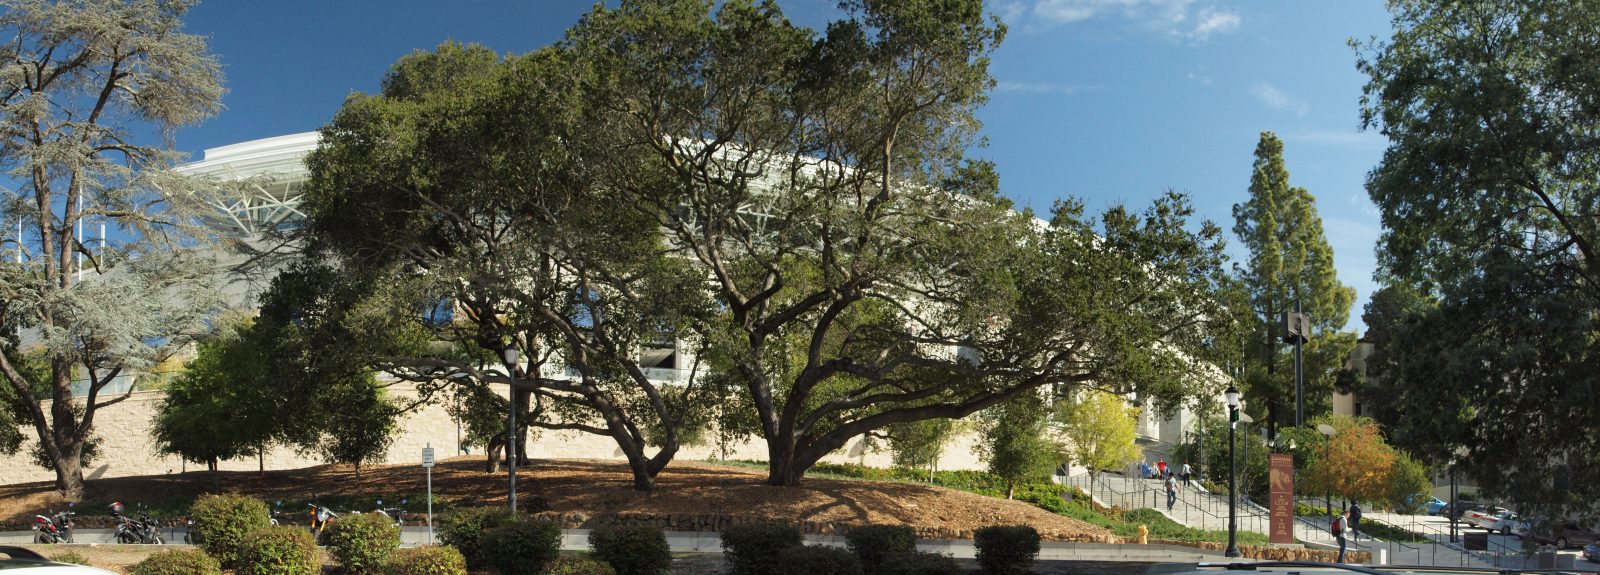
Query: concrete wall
[128, 450]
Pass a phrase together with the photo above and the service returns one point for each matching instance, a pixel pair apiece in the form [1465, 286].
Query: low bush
[463, 529]
[638, 550]
[281, 550]
[360, 542]
[179, 562]
[874, 544]
[521, 547]
[753, 549]
[817, 560]
[72, 557]
[430, 560]
[221, 523]
[1006, 550]
[918, 563]
[579, 565]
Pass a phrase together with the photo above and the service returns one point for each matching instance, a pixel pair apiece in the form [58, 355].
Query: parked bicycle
[53, 528]
[143, 530]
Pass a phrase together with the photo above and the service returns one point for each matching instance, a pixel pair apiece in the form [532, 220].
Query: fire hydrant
[1144, 535]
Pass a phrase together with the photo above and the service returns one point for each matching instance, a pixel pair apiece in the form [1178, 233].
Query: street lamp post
[511, 355]
[1454, 513]
[1232, 396]
[1327, 489]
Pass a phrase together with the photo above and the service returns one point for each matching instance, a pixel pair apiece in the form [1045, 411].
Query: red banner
[1281, 476]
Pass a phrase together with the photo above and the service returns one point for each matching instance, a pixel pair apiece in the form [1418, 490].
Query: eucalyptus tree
[461, 187]
[866, 273]
[83, 87]
[1487, 194]
[1291, 264]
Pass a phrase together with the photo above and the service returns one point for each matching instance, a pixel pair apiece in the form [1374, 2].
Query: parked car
[1571, 534]
[1456, 510]
[1591, 552]
[1435, 505]
[1502, 522]
[1476, 515]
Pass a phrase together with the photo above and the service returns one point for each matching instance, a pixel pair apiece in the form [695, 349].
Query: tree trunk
[1011, 488]
[69, 471]
[211, 465]
[491, 453]
[782, 467]
[261, 461]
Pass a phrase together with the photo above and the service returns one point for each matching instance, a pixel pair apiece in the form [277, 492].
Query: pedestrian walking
[1355, 521]
[1338, 533]
[1187, 473]
[1161, 468]
[1172, 492]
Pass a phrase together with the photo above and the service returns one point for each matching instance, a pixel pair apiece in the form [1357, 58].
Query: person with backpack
[1338, 533]
[1172, 492]
[1355, 521]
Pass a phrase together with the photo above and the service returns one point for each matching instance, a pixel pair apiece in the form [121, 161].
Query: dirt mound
[595, 487]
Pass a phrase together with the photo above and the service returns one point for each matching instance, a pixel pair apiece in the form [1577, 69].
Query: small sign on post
[427, 463]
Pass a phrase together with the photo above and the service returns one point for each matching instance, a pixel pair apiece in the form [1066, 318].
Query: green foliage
[818, 560]
[464, 530]
[1208, 454]
[1408, 485]
[754, 548]
[72, 557]
[1290, 261]
[1014, 443]
[427, 560]
[358, 422]
[521, 547]
[178, 562]
[919, 563]
[876, 545]
[1006, 550]
[919, 443]
[223, 406]
[632, 550]
[1099, 430]
[281, 550]
[224, 522]
[579, 565]
[360, 542]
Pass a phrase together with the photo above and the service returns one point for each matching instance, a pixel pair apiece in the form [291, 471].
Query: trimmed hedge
[817, 560]
[281, 550]
[753, 549]
[221, 523]
[919, 563]
[360, 542]
[638, 550]
[464, 529]
[579, 565]
[430, 560]
[1006, 550]
[179, 562]
[875, 544]
[521, 547]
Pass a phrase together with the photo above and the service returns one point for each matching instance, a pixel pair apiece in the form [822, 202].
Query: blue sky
[1112, 101]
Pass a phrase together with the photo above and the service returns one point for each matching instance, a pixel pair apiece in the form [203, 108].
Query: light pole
[1327, 443]
[511, 355]
[1459, 453]
[1232, 396]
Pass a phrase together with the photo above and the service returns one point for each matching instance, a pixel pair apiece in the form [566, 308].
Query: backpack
[1338, 525]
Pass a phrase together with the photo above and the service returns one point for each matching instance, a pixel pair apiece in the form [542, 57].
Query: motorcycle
[276, 513]
[320, 518]
[396, 514]
[54, 528]
[129, 530]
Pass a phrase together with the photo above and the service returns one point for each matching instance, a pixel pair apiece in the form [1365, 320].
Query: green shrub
[464, 529]
[362, 541]
[918, 563]
[521, 547]
[72, 557]
[753, 549]
[632, 550]
[874, 544]
[281, 550]
[430, 560]
[817, 560]
[579, 565]
[1006, 550]
[179, 562]
[221, 523]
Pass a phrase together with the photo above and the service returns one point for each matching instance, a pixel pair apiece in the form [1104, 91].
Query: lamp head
[511, 355]
[1232, 396]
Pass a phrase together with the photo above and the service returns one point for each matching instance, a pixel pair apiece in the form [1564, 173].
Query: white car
[1504, 522]
[19, 561]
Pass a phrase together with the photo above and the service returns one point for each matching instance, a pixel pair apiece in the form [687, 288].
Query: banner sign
[1281, 476]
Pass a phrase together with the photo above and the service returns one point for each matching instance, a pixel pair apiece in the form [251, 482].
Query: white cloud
[1177, 19]
[1038, 88]
[1338, 138]
[1279, 100]
[1201, 78]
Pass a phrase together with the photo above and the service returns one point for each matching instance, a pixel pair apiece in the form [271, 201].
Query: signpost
[1280, 475]
[427, 463]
